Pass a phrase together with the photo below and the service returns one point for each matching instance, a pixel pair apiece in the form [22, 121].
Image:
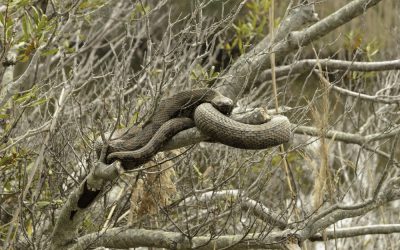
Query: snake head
[223, 104]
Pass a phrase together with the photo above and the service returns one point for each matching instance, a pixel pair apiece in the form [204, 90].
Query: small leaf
[134, 119]
[197, 170]
[29, 228]
[49, 52]
[23, 58]
[24, 97]
[38, 102]
[36, 15]
[2, 19]
[24, 23]
[240, 43]
[42, 23]
[42, 204]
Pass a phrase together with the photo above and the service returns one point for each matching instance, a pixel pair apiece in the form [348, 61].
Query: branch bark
[78, 203]
[338, 233]
[11, 87]
[130, 238]
[303, 66]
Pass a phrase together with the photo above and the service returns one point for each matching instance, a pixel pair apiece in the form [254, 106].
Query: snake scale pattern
[239, 135]
[206, 109]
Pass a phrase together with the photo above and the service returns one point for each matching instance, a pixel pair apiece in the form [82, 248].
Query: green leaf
[25, 97]
[42, 23]
[276, 160]
[38, 102]
[21, 3]
[25, 28]
[50, 52]
[9, 30]
[2, 19]
[134, 119]
[58, 202]
[6, 160]
[42, 204]
[36, 15]
[23, 58]
[29, 228]
[240, 43]
[197, 170]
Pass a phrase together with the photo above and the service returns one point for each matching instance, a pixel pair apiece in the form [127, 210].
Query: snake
[206, 109]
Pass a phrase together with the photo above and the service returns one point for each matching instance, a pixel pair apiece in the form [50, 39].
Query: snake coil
[206, 109]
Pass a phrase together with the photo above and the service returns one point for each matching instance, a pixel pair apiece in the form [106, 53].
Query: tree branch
[247, 67]
[338, 233]
[231, 85]
[306, 65]
[130, 238]
[390, 192]
[254, 207]
[11, 87]
[78, 203]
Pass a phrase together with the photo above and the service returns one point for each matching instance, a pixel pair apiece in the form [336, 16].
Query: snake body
[239, 135]
[141, 145]
[206, 109]
[140, 156]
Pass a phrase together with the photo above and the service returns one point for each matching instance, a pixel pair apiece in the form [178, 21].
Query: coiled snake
[204, 108]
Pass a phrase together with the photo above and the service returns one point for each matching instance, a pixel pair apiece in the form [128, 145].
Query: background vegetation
[72, 70]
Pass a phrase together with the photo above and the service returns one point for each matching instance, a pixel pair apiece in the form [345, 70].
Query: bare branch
[330, 216]
[130, 238]
[254, 207]
[347, 137]
[306, 65]
[339, 233]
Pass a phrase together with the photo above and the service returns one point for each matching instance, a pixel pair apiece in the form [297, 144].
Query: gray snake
[204, 108]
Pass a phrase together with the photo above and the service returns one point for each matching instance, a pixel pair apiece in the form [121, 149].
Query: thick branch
[332, 134]
[170, 240]
[12, 87]
[247, 66]
[331, 22]
[130, 238]
[79, 201]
